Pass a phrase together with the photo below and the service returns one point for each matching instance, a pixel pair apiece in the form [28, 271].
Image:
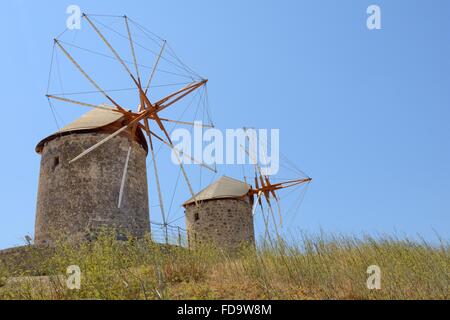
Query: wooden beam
[107, 43]
[102, 142]
[155, 66]
[136, 82]
[133, 51]
[124, 177]
[188, 182]
[187, 123]
[158, 184]
[280, 186]
[194, 85]
[67, 54]
[84, 104]
[170, 145]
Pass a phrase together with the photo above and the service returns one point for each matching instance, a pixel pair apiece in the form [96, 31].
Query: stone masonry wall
[76, 200]
[227, 223]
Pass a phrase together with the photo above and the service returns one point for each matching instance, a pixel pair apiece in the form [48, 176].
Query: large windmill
[147, 113]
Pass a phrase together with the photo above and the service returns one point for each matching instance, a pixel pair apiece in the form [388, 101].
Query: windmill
[146, 113]
[265, 191]
[264, 188]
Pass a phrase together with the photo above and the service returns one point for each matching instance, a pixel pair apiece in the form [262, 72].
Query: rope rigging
[138, 44]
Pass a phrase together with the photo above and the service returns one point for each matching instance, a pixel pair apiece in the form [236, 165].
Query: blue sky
[365, 113]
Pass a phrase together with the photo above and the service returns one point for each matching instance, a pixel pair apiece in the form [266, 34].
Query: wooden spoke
[98, 144]
[84, 104]
[166, 102]
[107, 44]
[158, 185]
[289, 184]
[257, 188]
[272, 191]
[133, 51]
[187, 123]
[124, 177]
[272, 214]
[67, 54]
[279, 211]
[170, 145]
[102, 142]
[142, 94]
[266, 222]
[155, 66]
[191, 190]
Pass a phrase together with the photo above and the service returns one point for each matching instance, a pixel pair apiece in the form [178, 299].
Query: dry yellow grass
[311, 268]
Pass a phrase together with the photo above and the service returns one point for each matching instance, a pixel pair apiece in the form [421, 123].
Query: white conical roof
[96, 118]
[223, 188]
[93, 120]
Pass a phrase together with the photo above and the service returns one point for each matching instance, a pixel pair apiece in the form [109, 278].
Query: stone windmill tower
[223, 215]
[78, 199]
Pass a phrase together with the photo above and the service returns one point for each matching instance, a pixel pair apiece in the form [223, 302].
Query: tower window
[196, 217]
[55, 163]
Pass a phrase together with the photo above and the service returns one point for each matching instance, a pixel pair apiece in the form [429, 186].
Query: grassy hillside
[312, 268]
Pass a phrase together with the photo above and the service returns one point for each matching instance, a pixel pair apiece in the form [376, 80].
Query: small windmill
[264, 188]
[147, 115]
